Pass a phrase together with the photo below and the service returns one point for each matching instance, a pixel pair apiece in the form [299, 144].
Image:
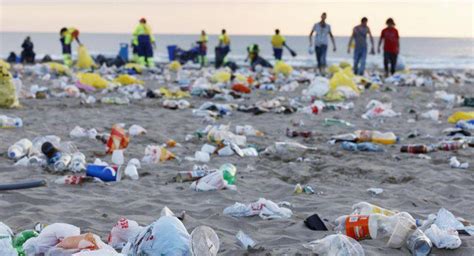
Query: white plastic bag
[122, 232]
[136, 130]
[49, 237]
[318, 87]
[211, 182]
[377, 109]
[443, 238]
[264, 208]
[336, 245]
[431, 115]
[6, 236]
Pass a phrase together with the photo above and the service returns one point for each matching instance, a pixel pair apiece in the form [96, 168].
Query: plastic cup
[117, 157]
[103, 172]
[402, 230]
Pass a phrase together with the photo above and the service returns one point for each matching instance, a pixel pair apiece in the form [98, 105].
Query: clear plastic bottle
[229, 171]
[376, 226]
[62, 163]
[78, 162]
[376, 137]
[20, 149]
[419, 244]
[365, 208]
[10, 122]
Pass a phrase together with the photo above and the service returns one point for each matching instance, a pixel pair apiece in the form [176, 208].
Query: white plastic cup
[117, 157]
[201, 156]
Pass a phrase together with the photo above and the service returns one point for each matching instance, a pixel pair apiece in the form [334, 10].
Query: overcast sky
[438, 18]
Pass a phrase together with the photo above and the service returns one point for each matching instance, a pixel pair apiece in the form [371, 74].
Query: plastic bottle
[416, 149]
[333, 121]
[78, 162]
[39, 141]
[451, 145]
[294, 133]
[10, 122]
[21, 238]
[20, 149]
[364, 208]
[196, 173]
[247, 130]
[72, 180]
[376, 137]
[376, 226]
[364, 146]
[6, 247]
[51, 152]
[419, 244]
[229, 171]
[62, 163]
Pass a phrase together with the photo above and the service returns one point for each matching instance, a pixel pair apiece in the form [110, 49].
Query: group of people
[143, 44]
[389, 36]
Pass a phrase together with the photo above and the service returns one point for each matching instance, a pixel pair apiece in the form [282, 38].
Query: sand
[340, 178]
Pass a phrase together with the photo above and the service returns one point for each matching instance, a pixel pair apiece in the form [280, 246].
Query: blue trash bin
[171, 52]
[123, 52]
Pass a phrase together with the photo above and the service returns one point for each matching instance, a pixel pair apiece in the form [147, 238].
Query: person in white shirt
[322, 30]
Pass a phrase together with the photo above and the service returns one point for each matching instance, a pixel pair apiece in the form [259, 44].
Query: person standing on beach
[322, 30]
[222, 49]
[144, 42]
[67, 36]
[391, 46]
[359, 35]
[202, 42]
[278, 41]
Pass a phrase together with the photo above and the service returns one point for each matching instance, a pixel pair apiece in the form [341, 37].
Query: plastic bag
[136, 130]
[264, 208]
[431, 114]
[8, 95]
[174, 66]
[125, 79]
[122, 232]
[49, 237]
[336, 245]
[211, 182]
[92, 79]
[84, 59]
[287, 151]
[443, 238]
[376, 109]
[58, 68]
[85, 241]
[318, 87]
[204, 241]
[6, 236]
[458, 116]
[155, 154]
[334, 69]
[222, 76]
[166, 236]
[282, 68]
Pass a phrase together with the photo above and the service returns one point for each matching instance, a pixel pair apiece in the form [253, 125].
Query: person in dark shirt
[27, 55]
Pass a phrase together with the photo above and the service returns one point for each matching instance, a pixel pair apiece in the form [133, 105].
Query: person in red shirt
[391, 46]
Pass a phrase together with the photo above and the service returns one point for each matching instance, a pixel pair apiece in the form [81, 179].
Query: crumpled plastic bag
[125, 79]
[166, 236]
[134, 66]
[264, 208]
[446, 220]
[443, 238]
[4, 64]
[6, 237]
[84, 59]
[211, 182]
[49, 237]
[318, 87]
[431, 114]
[92, 79]
[176, 94]
[8, 95]
[174, 66]
[282, 68]
[222, 76]
[58, 68]
[334, 69]
[458, 116]
[155, 154]
[336, 245]
[81, 242]
[344, 78]
[376, 109]
[122, 232]
[136, 130]
[287, 151]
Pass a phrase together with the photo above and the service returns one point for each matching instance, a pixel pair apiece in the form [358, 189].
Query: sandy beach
[340, 178]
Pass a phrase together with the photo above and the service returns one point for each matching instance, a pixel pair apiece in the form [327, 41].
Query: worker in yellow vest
[67, 36]
[278, 41]
[222, 49]
[202, 57]
[144, 41]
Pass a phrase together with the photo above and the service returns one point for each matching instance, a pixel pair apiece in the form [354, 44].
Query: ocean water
[427, 53]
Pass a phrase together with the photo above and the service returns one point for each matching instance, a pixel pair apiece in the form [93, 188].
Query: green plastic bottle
[21, 238]
[229, 171]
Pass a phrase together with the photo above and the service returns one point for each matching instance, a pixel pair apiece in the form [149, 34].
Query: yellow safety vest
[142, 29]
[278, 41]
